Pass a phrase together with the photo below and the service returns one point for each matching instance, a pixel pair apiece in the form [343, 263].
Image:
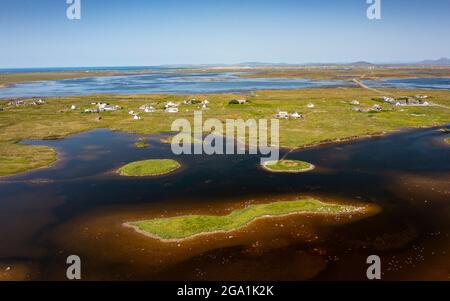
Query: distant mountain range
[441, 61]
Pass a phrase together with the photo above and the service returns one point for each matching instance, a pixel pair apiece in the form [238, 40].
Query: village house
[406, 101]
[92, 110]
[376, 108]
[147, 108]
[296, 115]
[15, 102]
[136, 117]
[131, 112]
[38, 102]
[172, 110]
[354, 102]
[282, 115]
[110, 108]
[238, 102]
[73, 107]
[170, 105]
[310, 105]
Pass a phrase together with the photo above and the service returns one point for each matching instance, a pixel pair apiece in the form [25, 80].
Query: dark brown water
[78, 207]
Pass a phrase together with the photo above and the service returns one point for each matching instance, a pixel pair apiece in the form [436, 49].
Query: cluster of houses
[21, 102]
[420, 100]
[286, 115]
[99, 107]
[374, 108]
[171, 107]
[147, 108]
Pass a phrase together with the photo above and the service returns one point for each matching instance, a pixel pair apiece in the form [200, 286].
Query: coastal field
[149, 168]
[333, 117]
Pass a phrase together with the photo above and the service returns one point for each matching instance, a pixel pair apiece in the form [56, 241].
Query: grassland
[292, 166]
[149, 168]
[332, 118]
[181, 227]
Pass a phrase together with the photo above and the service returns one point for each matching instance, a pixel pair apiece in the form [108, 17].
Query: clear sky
[37, 33]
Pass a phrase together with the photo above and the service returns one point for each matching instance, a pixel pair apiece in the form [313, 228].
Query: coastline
[311, 167]
[177, 168]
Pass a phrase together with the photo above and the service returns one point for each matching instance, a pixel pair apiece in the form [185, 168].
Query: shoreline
[311, 167]
[263, 217]
[177, 168]
[306, 146]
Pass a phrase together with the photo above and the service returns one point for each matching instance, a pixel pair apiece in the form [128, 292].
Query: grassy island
[292, 166]
[182, 227]
[149, 168]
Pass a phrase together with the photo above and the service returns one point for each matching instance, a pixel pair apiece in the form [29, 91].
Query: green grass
[185, 226]
[149, 167]
[287, 166]
[16, 158]
[332, 118]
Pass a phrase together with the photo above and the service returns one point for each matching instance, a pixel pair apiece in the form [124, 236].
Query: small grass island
[141, 144]
[292, 166]
[154, 167]
[188, 226]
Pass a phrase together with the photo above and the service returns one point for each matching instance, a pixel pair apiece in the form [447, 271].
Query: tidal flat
[79, 207]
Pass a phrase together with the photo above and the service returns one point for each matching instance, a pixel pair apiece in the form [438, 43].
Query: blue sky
[36, 33]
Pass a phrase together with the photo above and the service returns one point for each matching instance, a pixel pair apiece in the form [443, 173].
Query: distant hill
[441, 61]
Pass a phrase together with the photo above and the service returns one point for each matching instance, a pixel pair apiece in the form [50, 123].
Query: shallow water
[175, 83]
[78, 207]
[411, 83]
[192, 83]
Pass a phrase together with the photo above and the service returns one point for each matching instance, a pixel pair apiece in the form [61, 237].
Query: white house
[310, 105]
[282, 115]
[147, 108]
[355, 102]
[170, 105]
[136, 117]
[131, 112]
[73, 107]
[296, 115]
[110, 108]
[172, 110]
